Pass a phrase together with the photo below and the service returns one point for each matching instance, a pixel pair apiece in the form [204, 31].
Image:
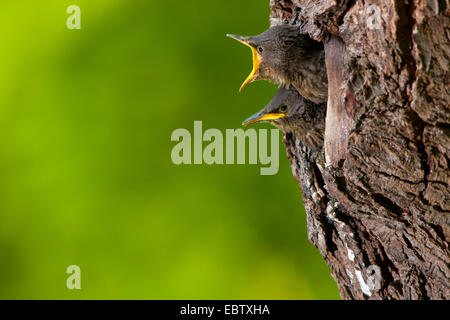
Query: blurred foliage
[86, 117]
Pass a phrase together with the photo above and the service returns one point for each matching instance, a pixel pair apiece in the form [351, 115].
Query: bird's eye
[283, 108]
[260, 49]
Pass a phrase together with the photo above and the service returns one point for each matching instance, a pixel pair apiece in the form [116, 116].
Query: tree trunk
[382, 223]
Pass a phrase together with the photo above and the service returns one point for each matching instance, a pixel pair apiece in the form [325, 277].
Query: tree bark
[382, 224]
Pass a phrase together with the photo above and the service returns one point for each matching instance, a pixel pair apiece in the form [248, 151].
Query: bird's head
[282, 111]
[290, 112]
[274, 51]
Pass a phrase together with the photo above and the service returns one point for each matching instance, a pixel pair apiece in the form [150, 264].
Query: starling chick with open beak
[292, 113]
[284, 56]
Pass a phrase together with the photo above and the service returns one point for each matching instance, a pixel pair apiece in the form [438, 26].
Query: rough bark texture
[383, 222]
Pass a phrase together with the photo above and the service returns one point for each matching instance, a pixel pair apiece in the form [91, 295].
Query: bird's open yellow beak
[256, 60]
[263, 117]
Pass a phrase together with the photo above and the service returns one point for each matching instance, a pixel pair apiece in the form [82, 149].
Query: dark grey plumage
[285, 57]
[294, 114]
[303, 125]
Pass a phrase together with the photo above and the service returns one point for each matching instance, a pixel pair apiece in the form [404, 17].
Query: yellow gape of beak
[263, 117]
[256, 61]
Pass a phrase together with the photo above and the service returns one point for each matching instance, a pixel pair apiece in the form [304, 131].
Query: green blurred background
[86, 175]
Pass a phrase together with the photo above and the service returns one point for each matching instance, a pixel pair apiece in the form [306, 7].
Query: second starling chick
[290, 112]
[284, 56]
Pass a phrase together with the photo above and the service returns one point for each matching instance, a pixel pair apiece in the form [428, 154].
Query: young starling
[292, 113]
[303, 125]
[284, 56]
